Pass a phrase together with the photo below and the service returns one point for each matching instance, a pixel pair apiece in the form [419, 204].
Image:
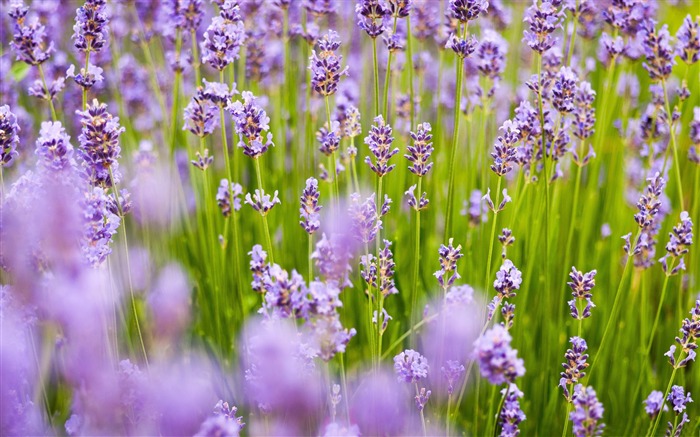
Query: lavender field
[349, 217]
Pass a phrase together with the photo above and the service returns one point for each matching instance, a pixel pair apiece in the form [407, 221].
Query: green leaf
[19, 71]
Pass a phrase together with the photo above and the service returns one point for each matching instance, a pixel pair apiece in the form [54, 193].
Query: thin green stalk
[572, 227]
[46, 88]
[498, 411]
[387, 75]
[224, 137]
[447, 415]
[546, 179]
[264, 216]
[677, 162]
[422, 416]
[309, 252]
[493, 234]
[87, 64]
[566, 419]
[658, 314]
[409, 54]
[195, 59]
[572, 40]
[174, 116]
[376, 76]
[668, 389]
[416, 259]
[336, 190]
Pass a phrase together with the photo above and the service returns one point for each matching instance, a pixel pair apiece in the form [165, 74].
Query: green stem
[195, 59]
[658, 314]
[493, 234]
[46, 88]
[409, 54]
[416, 258]
[668, 389]
[498, 411]
[669, 119]
[87, 64]
[387, 75]
[376, 76]
[266, 228]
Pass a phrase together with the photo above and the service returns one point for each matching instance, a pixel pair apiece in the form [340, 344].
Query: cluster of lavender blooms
[418, 155]
[498, 361]
[508, 280]
[581, 285]
[224, 37]
[325, 66]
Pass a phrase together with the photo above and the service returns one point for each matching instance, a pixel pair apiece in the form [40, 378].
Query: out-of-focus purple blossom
[169, 303]
[200, 115]
[86, 80]
[370, 16]
[353, 127]
[262, 202]
[284, 293]
[501, 206]
[99, 141]
[543, 20]
[100, 226]
[332, 260]
[385, 317]
[678, 398]
[251, 122]
[217, 92]
[229, 195]
[452, 372]
[415, 203]
[506, 239]
[335, 429]
[325, 67]
[53, 146]
[511, 414]
[650, 202]
[423, 20]
[223, 40]
[504, 154]
[419, 153]
[574, 366]
[379, 273]
[467, 10]
[39, 91]
[400, 8]
[320, 8]
[475, 209]
[90, 29]
[378, 406]
[694, 131]
[679, 241]
[309, 210]
[653, 404]
[688, 41]
[28, 38]
[223, 422]
[491, 55]
[588, 412]
[498, 362]
[329, 138]
[463, 47]
[259, 267]
[624, 14]
[9, 138]
[449, 255]
[410, 366]
[564, 90]
[658, 51]
[379, 142]
[203, 161]
[613, 46]
[422, 398]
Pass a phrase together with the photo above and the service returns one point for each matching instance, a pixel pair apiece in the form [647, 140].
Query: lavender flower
[452, 372]
[690, 331]
[332, 260]
[192, 13]
[100, 225]
[53, 146]
[504, 154]
[422, 398]
[9, 137]
[370, 16]
[251, 121]
[653, 404]
[325, 67]
[678, 398]
[508, 279]
[353, 127]
[39, 91]
[498, 362]
[650, 202]
[28, 38]
[688, 41]
[400, 8]
[574, 366]
[581, 285]
[262, 202]
[200, 115]
[366, 221]
[694, 152]
[223, 39]
[99, 141]
[310, 218]
[506, 239]
[679, 241]
[588, 412]
[223, 422]
[415, 203]
[463, 47]
[467, 10]
[501, 206]
[217, 92]
[419, 153]
[319, 8]
[564, 90]
[379, 141]
[410, 366]
[543, 19]
[90, 29]
[228, 192]
[658, 51]
[259, 267]
[379, 273]
[511, 414]
[203, 161]
[87, 79]
[329, 138]
[449, 255]
[491, 55]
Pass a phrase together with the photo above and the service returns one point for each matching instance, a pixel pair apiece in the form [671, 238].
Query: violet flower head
[690, 331]
[262, 202]
[581, 285]
[419, 153]
[88, 79]
[505, 154]
[329, 138]
[9, 138]
[320, 8]
[467, 10]
[309, 210]
[259, 267]
[653, 404]
[385, 270]
[325, 66]
[491, 55]
[511, 414]
[379, 141]
[678, 398]
[192, 13]
[332, 259]
[486, 198]
[223, 422]
[583, 115]
[217, 92]
[53, 146]
[588, 412]
[28, 38]
[694, 132]
[498, 361]
[203, 161]
[679, 241]
[251, 122]
[201, 117]
[352, 126]
[508, 279]
[99, 141]
[370, 16]
[452, 372]
[99, 226]
[449, 255]
[574, 366]
[564, 90]
[366, 220]
[463, 47]
[413, 201]
[400, 8]
[90, 29]
[222, 41]
[649, 203]
[543, 19]
[658, 51]
[422, 398]
[688, 41]
[410, 366]
[228, 196]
